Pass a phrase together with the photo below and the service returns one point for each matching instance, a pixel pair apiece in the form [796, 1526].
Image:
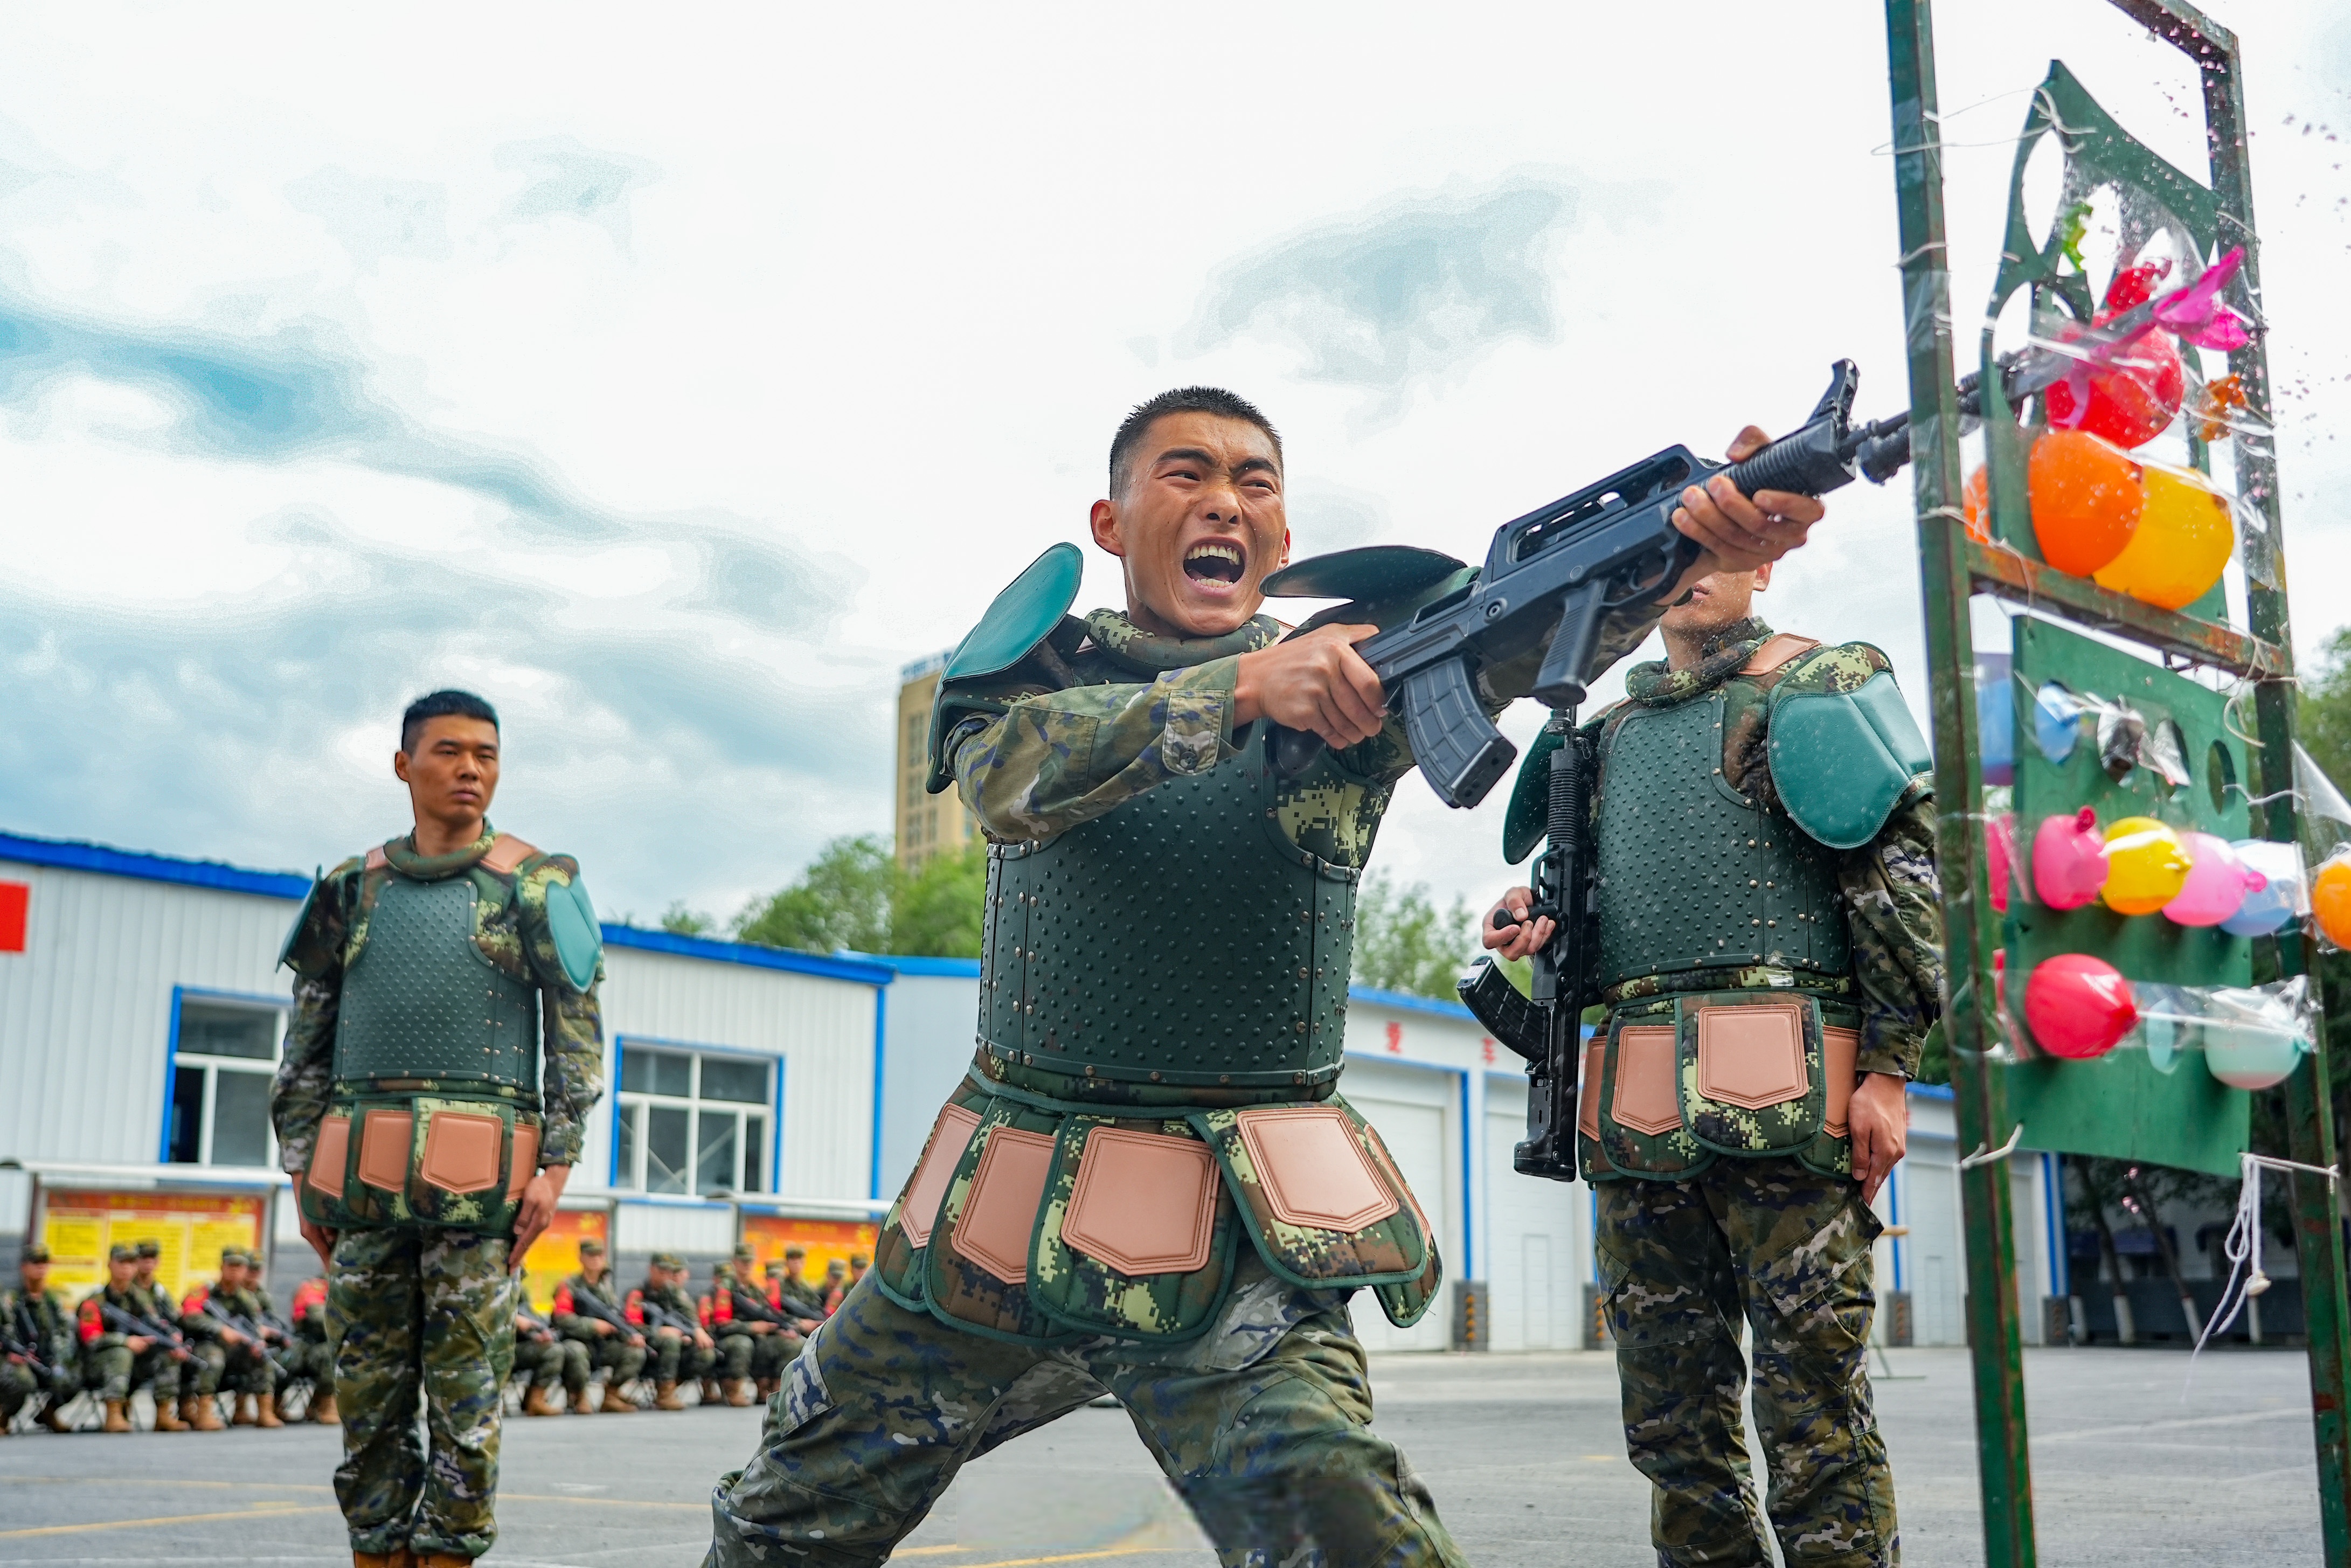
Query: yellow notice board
[826, 1239]
[189, 1229]
[555, 1256]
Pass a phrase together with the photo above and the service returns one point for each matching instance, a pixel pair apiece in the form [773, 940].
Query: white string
[1984, 1156]
[2244, 1249]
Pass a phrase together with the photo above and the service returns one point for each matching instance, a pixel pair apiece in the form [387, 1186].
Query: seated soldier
[312, 1353]
[125, 1347]
[548, 1361]
[37, 1328]
[755, 1339]
[836, 1285]
[224, 1319]
[681, 1350]
[588, 1311]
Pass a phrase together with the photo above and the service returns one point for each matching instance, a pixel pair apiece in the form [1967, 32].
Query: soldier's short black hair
[1180, 400]
[445, 703]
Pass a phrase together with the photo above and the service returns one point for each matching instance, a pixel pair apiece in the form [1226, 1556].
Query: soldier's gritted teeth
[1201, 526]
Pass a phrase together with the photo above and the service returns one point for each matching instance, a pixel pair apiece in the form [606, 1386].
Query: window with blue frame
[225, 1053]
[691, 1123]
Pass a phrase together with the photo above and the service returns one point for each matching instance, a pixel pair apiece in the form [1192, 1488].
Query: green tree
[2323, 717]
[680, 921]
[1403, 944]
[843, 899]
[939, 909]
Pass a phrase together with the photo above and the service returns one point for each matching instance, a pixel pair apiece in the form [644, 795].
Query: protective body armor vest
[1693, 874]
[421, 1001]
[1181, 938]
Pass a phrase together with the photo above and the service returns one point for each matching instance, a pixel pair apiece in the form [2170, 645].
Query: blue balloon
[1996, 730]
[2056, 722]
[2271, 908]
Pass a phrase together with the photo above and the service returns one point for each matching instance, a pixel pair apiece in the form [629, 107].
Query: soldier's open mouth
[1214, 560]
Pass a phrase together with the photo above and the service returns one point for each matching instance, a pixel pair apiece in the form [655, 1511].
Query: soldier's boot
[245, 1415]
[666, 1397]
[541, 1401]
[203, 1414]
[399, 1559]
[583, 1403]
[167, 1418]
[615, 1402]
[739, 1395]
[768, 1386]
[116, 1420]
[266, 1411]
[323, 1411]
[53, 1417]
[710, 1394]
[441, 1559]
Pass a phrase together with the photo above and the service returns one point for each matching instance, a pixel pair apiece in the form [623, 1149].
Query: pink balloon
[2069, 860]
[2216, 886]
[2077, 1006]
[1999, 856]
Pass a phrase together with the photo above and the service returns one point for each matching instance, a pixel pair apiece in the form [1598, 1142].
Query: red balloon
[2077, 1006]
[2130, 402]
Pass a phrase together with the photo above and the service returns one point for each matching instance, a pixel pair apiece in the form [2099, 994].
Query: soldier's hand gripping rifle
[20, 1340]
[658, 1316]
[124, 1322]
[754, 1306]
[245, 1325]
[586, 1304]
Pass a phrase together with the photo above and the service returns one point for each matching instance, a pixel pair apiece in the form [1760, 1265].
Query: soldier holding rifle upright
[37, 1331]
[446, 1049]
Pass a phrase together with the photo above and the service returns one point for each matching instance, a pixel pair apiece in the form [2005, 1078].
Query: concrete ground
[1523, 1451]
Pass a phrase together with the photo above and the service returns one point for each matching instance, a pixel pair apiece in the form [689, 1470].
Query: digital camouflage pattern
[109, 1366]
[423, 1313]
[511, 931]
[44, 1322]
[1262, 1425]
[1387, 1251]
[610, 1354]
[245, 1368]
[672, 1354]
[1680, 1262]
[1083, 1292]
[546, 1358]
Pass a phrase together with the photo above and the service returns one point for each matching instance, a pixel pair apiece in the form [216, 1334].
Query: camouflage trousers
[241, 1369]
[19, 1383]
[674, 1358]
[420, 1317]
[114, 1373]
[760, 1355]
[1681, 1262]
[619, 1361]
[1262, 1425]
[310, 1358]
[557, 1362]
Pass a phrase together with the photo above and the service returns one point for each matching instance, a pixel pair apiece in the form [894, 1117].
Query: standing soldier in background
[36, 1325]
[312, 1353]
[225, 1319]
[682, 1351]
[117, 1358]
[551, 1361]
[446, 1050]
[1732, 1175]
[587, 1310]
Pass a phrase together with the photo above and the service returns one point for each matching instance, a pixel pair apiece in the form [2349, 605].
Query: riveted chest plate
[421, 1001]
[1693, 874]
[1180, 938]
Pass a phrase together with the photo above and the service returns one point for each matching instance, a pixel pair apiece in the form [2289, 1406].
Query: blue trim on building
[1930, 1091]
[1470, 1136]
[947, 968]
[862, 972]
[880, 1059]
[776, 1140]
[67, 855]
[1409, 1004]
[170, 1075]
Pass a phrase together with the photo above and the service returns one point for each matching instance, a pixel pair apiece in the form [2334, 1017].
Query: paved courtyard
[1522, 1452]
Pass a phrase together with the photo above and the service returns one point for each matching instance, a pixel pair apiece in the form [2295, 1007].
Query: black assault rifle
[123, 1320]
[27, 1349]
[754, 1304]
[258, 1333]
[588, 1304]
[658, 1316]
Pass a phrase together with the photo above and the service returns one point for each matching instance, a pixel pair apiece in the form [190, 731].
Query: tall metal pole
[1991, 1307]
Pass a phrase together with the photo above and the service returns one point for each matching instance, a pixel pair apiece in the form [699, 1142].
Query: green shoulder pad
[1529, 818]
[1369, 572]
[291, 954]
[1843, 749]
[571, 924]
[1022, 616]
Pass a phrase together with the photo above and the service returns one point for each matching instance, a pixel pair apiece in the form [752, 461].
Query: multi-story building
[925, 824]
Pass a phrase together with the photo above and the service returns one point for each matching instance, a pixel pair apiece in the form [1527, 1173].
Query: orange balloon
[1975, 502]
[2086, 500]
[2182, 543]
[2330, 900]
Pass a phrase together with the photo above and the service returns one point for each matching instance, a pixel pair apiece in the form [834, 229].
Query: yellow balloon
[2330, 900]
[2146, 865]
[2183, 541]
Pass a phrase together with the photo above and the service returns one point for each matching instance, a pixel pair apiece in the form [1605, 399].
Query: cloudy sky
[672, 378]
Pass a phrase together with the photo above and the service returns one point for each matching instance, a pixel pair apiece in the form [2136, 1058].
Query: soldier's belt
[1037, 1221]
[392, 1157]
[1671, 1084]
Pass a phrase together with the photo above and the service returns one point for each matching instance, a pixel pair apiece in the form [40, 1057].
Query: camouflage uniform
[44, 1324]
[673, 1357]
[245, 1368]
[109, 1365]
[1779, 1241]
[742, 1354]
[1247, 1384]
[610, 1352]
[417, 1305]
[312, 1353]
[546, 1357]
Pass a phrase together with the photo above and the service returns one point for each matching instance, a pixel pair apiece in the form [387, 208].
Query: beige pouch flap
[461, 1151]
[1143, 1203]
[1753, 1057]
[526, 1160]
[1312, 1169]
[1646, 1099]
[384, 1138]
[950, 1136]
[999, 1217]
[331, 1153]
[1587, 1089]
[1840, 1049]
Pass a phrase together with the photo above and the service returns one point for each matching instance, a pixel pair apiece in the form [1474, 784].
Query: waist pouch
[391, 1159]
[1688, 1079]
[1038, 1221]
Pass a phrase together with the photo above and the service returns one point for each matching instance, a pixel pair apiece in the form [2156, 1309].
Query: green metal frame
[1954, 567]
